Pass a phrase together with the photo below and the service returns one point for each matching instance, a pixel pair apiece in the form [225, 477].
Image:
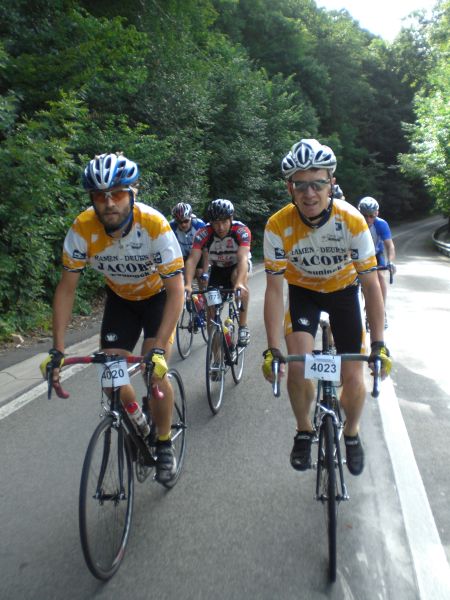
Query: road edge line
[428, 554]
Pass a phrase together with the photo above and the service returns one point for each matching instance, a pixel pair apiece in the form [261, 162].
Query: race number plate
[113, 374]
[323, 366]
[213, 297]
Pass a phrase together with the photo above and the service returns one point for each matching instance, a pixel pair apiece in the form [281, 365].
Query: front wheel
[215, 369]
[106, 499]
[237, 365]
[178, 430]
[330, 492]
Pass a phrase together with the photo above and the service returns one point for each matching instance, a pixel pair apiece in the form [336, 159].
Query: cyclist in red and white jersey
[228, 245]
[133, 246]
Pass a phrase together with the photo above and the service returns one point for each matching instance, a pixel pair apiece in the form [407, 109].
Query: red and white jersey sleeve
[134, 265]
[325, 259]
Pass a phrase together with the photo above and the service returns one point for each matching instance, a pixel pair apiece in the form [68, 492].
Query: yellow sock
[164, 438]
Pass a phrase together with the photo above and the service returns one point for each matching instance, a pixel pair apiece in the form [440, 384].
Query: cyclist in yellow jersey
[133, 246]
[321, 246]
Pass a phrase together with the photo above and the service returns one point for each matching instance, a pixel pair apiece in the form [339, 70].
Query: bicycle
[223, 351]
[106, 496]
[191, 321]
[330, 489]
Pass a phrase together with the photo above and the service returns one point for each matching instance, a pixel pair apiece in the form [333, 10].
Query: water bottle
[199, 302]
[228, 331]
[138, 419]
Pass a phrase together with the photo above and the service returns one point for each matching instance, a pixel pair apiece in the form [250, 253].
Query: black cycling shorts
[124, 320]
[221, 277]
[343, 308]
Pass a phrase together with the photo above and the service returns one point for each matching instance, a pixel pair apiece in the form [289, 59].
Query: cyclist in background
[321, 246]
[133, 246]
[185, 225]
[227, 243]
[382, 239]
[338, 193]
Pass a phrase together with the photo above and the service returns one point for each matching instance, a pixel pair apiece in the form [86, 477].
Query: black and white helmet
[220, 209]
[368, 205]
[107, 171]
[308, 154]
[182, 211]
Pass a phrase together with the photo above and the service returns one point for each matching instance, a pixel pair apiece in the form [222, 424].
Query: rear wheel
[106, 499]
[178, 423]
[185, 331]
[215, 369]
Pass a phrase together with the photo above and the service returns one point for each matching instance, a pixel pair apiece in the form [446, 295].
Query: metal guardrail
[443, 247]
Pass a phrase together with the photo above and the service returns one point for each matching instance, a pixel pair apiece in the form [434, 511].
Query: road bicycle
[117, 452]
[192, 320]
[330, 489]
[223, 352]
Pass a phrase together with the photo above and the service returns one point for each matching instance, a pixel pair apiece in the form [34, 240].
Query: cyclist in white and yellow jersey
[321, 246]
[133, 246]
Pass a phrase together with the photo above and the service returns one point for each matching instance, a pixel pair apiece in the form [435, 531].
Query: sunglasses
[370, 216]
[115, 196]
[317, 185]
[184, 221]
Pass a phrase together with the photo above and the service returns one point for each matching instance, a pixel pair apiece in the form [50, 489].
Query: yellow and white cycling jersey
[132, 265]
[325, 259]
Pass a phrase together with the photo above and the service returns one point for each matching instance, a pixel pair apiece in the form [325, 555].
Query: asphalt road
[241, 522]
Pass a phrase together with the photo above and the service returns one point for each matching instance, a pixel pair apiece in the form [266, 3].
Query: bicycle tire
[185, 332]
[106, 504]
[178, 424]
[237, 366]
[329, 473]
[204, 327]
[215, 370]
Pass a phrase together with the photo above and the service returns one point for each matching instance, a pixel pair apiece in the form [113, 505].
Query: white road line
[430, 561]
[24, 399]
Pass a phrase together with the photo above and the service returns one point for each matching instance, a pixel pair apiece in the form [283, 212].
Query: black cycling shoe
[301, 451]
[355, 454]
[166, 463]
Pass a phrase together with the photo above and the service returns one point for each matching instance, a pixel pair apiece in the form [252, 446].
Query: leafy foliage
[207, 96]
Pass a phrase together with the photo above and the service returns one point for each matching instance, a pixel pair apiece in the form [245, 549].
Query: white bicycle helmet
[368, 205]
[220, 209]
[107, 171]
[308, 154]
[182, 211]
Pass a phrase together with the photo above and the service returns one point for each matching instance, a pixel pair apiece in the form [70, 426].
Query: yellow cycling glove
[55, 357]
[379, 350]
[269, 355]
[156, 356]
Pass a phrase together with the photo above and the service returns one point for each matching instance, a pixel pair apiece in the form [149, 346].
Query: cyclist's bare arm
[174, 287]
[389, 250]
[205, 261]
[242, 267]
[189, 267]
[62, 307]
[274, 309]
[374, 304]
